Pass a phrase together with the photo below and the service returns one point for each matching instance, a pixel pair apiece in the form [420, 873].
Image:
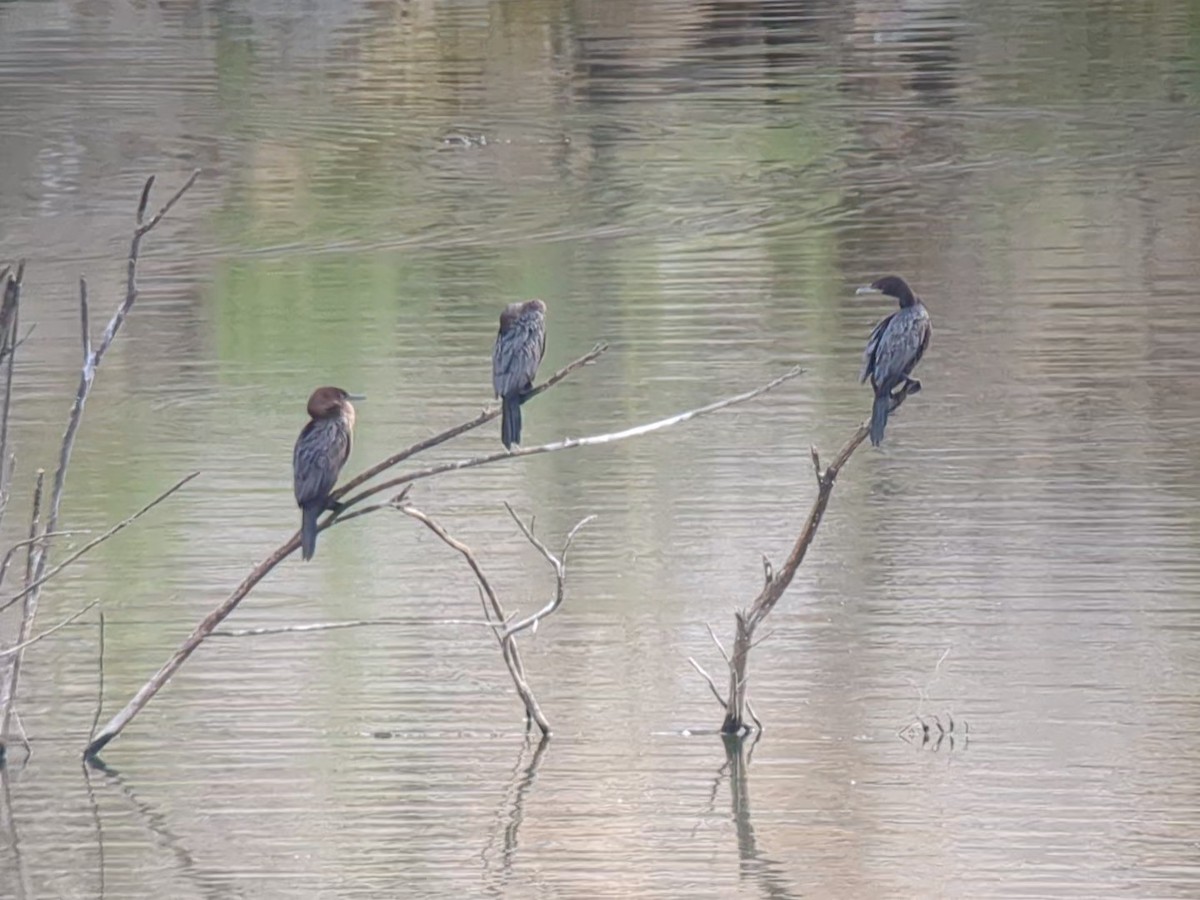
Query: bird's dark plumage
[894, 348]
[518, 351]
[321, 450]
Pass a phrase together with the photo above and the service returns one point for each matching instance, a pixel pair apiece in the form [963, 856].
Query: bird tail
[510, 420]
[879, 416]
[308, 530]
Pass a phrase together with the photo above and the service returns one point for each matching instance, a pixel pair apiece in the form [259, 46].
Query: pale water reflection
[702, 185]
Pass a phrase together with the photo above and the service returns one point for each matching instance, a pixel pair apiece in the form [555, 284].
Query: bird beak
[867, 289]
[357, 396]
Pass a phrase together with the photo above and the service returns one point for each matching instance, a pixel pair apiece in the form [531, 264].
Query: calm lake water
[702, 185]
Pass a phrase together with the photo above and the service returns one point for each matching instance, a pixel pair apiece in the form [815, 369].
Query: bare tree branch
[712, 685]
[99, 682]
[17, 648]
[335, 626]
[482, 419]
[156, 682]
[19, 545]
[776, 583]
[120, 526]
[558, 563]
[508, 646]
[12, 675]
[572, 443]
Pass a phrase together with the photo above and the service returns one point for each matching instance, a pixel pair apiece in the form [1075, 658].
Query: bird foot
[911, 386]
[335, 507]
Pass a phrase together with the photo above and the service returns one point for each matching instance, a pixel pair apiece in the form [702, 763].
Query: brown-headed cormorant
[321, 450]
[519, 348]
[894, 348]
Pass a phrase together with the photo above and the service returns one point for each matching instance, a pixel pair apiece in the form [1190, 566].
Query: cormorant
[321, 450]
[519, 348]
[894, 348]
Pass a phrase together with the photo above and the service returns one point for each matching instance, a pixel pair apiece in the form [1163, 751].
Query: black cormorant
[894, 348]
[519, 348]
[321, 450]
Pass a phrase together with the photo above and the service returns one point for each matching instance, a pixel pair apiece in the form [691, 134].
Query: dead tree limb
[775, 583]
[572, 443]
[90, 545]
[10, 307]
[91, 359]
[450, 433]
[508, 637]
[12, 674]
[210, 622]
[12, 651]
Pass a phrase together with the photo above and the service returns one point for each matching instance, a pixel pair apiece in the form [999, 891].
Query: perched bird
[321, 450]
[519, 348]
[894, 348]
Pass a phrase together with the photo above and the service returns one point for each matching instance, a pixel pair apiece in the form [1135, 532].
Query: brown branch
[712, 685]
[17, 648]
[508, 646]
[12, 551]
[573, 443]
[100, 682]
[335, 626]
[776, 583]
[12, 675]
[10, 308]
[147, 692]
[558, 563]
[120, 526]
[483, 418]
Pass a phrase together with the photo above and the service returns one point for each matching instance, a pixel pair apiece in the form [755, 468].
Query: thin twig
[716, 640]
[84, 327]
[12, 675]
[508, 647]
[12, 551]
[482, 419]
[120, 526]
[99, 683]
[711, 684]
[572, 443]
[558, 563]
[17, 648]
[334, 626]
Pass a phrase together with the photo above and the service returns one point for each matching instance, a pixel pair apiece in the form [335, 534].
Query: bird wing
[321, 450]
[518, 351]
[868, 365]
[900, 346]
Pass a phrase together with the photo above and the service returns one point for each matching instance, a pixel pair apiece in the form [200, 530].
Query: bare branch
[572, 443]
[482, 419]
[99, 682]
[12, 551]
[166, 208]
[120, 526]
[716, 640]
[712, 685]
[775, 585]
[508, 646]
[12, 675]
[17, 648]
[84, 327]
[156, 682]
[558, 563]
[334, 626]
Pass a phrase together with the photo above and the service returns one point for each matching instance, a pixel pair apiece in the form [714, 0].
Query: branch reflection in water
[200, 883]
[21, 886]
[509, 816]
[754, 864]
